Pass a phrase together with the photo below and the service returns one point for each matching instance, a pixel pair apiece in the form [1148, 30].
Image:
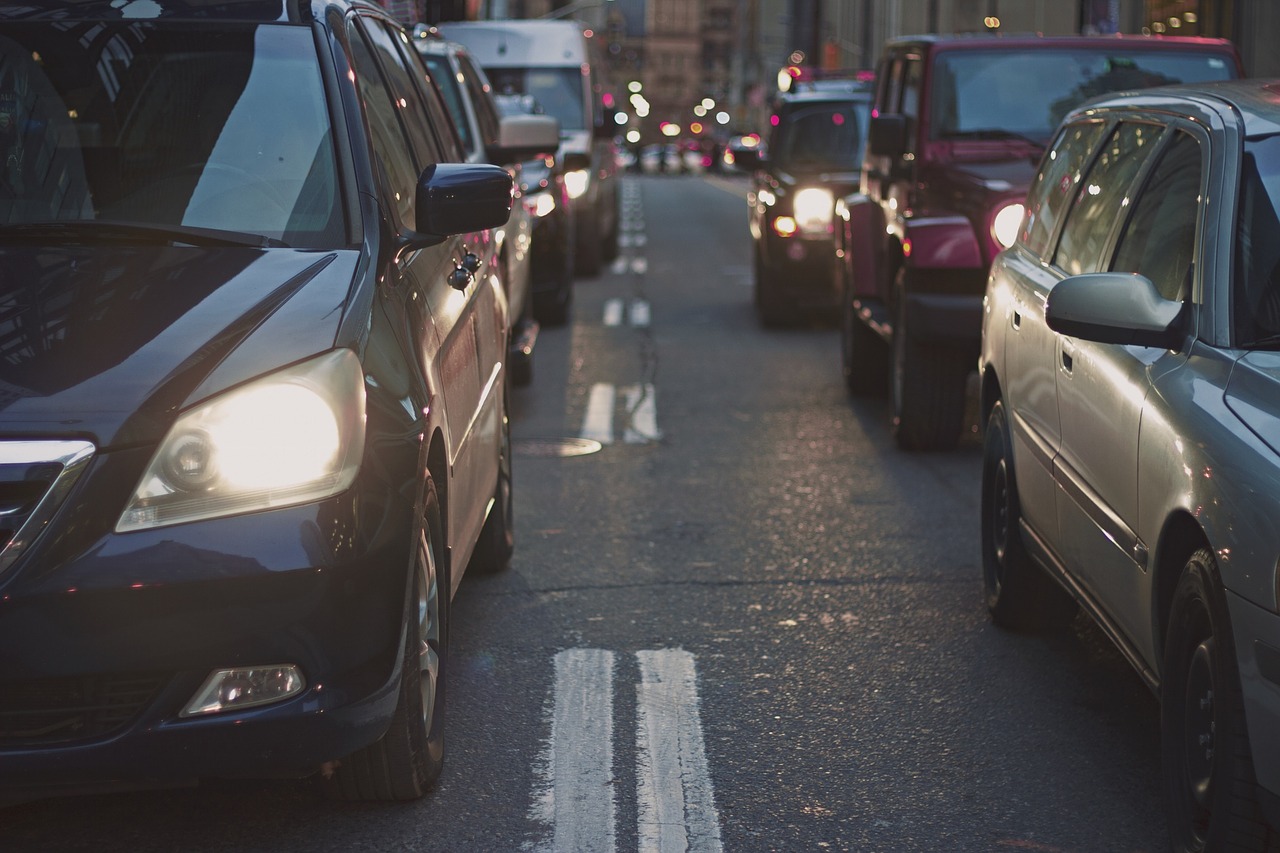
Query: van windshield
[558, 90]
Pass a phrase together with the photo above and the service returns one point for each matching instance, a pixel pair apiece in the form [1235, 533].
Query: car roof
[980, 41]
[1256, 102]
[258, 11]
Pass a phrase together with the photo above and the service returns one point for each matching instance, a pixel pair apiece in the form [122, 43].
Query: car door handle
[1017, 320]
[1067, 361]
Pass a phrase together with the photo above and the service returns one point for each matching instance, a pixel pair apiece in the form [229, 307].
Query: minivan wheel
[406, 761]
[1210, 799]
[1019, 595]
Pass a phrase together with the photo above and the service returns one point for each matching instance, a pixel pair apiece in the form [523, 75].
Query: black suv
[253, 426]
[812, 157]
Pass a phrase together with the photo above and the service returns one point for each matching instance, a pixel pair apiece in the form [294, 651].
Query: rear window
[990, 93]
[558, 90]
[821, 137]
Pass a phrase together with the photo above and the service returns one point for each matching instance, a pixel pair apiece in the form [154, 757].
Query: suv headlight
[813, 208]
[575, 182]
[291, 437]
[1006, 222]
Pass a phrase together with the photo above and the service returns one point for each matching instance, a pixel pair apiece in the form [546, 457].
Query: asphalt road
[745, 623]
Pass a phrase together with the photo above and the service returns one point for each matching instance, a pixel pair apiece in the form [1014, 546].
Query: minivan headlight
[1005, 224]
[291, 437]
[813, 209]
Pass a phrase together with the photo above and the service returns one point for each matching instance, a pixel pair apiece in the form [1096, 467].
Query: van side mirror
[887, 136]
[524, 137]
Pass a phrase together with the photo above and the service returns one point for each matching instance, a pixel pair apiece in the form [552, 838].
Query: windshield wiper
[1265, 342]
[96, 231]
[993, 133]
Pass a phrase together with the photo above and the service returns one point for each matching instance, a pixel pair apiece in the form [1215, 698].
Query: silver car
[1130, 372]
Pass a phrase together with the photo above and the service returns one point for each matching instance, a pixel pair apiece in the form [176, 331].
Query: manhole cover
[556, 447]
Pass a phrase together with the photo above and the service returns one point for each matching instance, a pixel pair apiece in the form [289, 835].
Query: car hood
[111, 344]
[1252, 394]
[995, 177]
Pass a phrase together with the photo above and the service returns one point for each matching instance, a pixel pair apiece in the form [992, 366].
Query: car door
[1103, 388]
[1022, 284]
[446, 329]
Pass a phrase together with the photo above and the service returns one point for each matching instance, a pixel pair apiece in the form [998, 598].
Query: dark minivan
[253, 412]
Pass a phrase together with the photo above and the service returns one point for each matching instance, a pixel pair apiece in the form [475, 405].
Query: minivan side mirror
[458, 198]
[1115, 308]
[524, 137]
[887, 136]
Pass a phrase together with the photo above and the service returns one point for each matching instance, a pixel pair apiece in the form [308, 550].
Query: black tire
[928, 389]
[1019, 595]
[497, 540]
[1210, 790]
[406, 761]
[864, 356]
[772, 307]
[553, 307]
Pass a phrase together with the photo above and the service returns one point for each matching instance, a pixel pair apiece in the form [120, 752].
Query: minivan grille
[35, 478]
[49, 711]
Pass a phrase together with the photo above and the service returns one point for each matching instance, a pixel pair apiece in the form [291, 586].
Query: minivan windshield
[180, 128]
[985, 94]
[558, 90]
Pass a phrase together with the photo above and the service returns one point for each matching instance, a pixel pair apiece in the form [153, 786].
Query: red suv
[958, 127]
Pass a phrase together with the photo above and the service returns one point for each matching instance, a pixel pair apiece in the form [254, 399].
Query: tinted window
[1256, 303]
[1100, 197]
[482, 97]
[447, 82]
[1159, 240]
[390, 145]
[1056, 182]
[1027, 92]
[405, 94]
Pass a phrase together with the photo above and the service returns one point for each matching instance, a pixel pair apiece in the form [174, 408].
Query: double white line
[641, 406]
[675, 801]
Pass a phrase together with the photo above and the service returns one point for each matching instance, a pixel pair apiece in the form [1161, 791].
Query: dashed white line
[642, 410]
[613, 312]
[598, 422]
[639, 313]
[676, 808]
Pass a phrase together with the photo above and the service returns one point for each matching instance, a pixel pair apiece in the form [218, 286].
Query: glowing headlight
[575, 182]
[1004, 227]
[813, 209]
[540, 205]
[292, 437]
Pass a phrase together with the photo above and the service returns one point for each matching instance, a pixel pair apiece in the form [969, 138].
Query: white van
[556, 62]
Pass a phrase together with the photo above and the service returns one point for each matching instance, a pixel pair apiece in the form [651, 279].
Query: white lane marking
[676, 809]
[642, 412]
[639, 265]
[598, 422]
[639, 313]
[619, 266]
[628, 240]
[613, 312]
[577, 798]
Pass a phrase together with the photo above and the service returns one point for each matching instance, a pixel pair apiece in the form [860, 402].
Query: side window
[451, 91]
[386, 135]
[1056, 182]
[913, 71]
[429, 99]
[482, 97]
[1159, 241]
[425, 147]
[1101, 196]
[891, 92]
